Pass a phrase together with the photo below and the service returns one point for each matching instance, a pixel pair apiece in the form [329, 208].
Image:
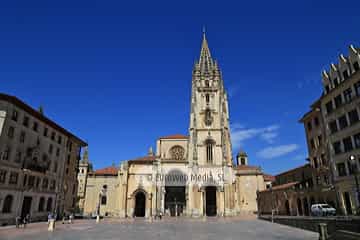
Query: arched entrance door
[287, 207]
[210, 204]
[140, 204]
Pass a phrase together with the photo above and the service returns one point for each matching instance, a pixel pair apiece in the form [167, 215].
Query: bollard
[51, 226]
[323, 231]
[97, 218]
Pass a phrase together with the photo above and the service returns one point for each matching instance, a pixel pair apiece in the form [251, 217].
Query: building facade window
[343, 122]
[353, 117]
[11, 132]
[329, 107]
[8, 202]
[14, 176]
[357, 88]
[6, 153]
[333, 127]
[26, 121]
[348, 95]
[31, 181]
[35, 126]
[341, 169]
[338, 101]
[337, 147]
[345, 74]
[3, 174]
[15, 115]
[46, 132]
[209, 152]
[356, 66]
[347, 144]
[53, 136]
[357, 140]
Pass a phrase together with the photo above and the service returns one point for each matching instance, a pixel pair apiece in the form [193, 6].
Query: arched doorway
[175, 193]
[287, 207]
[140, 200]
[300, 212]
[306, 207]
[210, 203]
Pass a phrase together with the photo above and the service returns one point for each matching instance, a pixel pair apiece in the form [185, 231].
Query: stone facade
[340, 109]
[190, 175]
[38, 163]
[332, 128]
[294, 191]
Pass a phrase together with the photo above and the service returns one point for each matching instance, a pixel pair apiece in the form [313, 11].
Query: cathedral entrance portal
[175, 201]
[210, 201]
[140, 204]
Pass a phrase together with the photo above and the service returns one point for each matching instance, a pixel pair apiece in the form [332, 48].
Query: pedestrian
[17, 221]
[160, 215]
[24, 222]
[63, 218]
[27, 218]
[71, 218]
[49, 218]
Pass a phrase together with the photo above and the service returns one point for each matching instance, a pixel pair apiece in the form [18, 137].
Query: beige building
[294, 191]
[192, 175]
[340, 107]
[38, 163]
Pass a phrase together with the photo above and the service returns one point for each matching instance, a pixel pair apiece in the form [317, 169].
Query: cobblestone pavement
[167, 229]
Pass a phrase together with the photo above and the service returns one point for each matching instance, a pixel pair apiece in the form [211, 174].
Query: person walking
[17, 221]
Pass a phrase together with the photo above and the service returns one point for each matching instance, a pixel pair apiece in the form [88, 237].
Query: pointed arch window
[209, 151]
[207, 98]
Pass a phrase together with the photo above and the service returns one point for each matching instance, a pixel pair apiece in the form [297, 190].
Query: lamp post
[354, 169]
[272, 203]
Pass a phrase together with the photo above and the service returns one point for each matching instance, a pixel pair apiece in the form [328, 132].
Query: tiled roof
[174, 136]
[107, 171]
[268, 177]
[144, 159]
[294, 169]
[246, 167]
[282, 186]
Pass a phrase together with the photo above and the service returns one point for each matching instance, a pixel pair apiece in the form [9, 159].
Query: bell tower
[84, 168]
[209, 142]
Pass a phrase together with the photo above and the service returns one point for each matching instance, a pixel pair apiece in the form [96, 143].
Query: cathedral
[190, 175]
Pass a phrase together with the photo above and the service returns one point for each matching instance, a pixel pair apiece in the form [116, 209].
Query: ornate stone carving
[177, 153]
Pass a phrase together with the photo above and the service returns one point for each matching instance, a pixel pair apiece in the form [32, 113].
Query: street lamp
[354, 170]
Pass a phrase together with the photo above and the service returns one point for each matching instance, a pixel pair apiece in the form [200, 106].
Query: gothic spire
[205, 61]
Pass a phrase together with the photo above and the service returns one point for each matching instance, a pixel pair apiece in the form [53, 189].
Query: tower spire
[205, 61]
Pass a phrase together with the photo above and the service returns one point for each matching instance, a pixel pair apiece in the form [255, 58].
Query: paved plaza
[169, 229]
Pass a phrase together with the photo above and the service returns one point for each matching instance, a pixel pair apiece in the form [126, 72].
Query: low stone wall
[351, 224]
[345, 235]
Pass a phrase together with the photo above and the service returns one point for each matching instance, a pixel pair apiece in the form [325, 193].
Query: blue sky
[118, 73]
